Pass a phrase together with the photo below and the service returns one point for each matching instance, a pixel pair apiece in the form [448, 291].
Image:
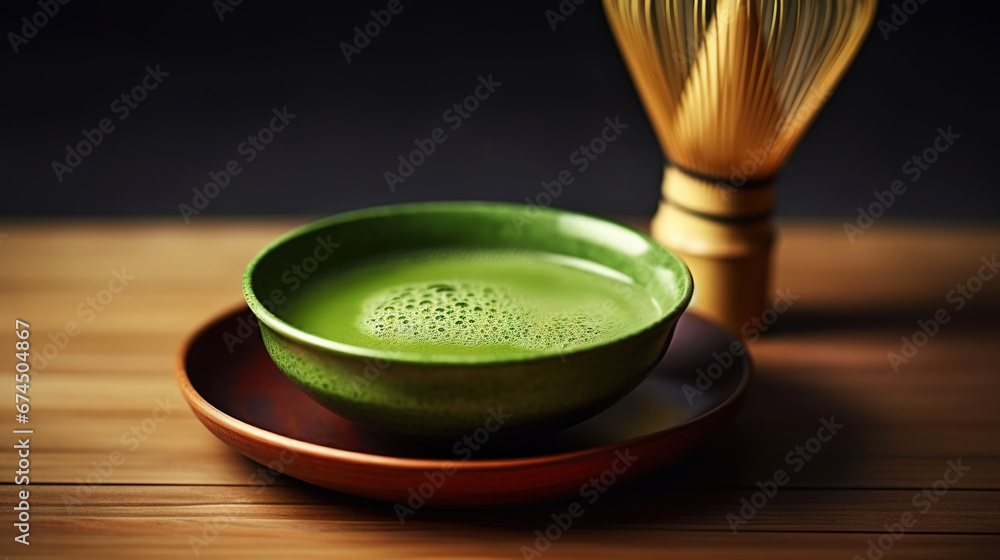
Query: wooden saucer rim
[213, 418]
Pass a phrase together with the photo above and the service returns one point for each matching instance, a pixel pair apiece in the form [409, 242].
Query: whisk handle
[725, 235]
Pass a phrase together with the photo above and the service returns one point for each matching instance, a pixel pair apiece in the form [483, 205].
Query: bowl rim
[685, 287]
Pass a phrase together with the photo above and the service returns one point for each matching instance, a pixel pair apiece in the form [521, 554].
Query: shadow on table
[805, 322]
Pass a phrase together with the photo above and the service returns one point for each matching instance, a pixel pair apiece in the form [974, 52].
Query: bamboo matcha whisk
[730, 87]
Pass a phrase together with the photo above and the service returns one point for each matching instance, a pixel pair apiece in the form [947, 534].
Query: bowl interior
[313, 250]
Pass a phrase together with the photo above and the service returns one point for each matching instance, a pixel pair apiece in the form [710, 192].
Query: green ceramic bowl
[449, 395]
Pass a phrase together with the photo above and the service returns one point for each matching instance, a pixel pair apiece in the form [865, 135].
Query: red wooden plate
[237, 392]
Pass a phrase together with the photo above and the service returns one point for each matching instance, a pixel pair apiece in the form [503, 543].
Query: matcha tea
[472, 301]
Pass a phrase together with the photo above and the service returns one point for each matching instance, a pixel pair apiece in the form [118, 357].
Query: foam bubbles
[482, 315]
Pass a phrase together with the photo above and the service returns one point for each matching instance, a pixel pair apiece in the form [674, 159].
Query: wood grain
[825, 357]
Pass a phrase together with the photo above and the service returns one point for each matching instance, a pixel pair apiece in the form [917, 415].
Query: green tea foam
[484, 301]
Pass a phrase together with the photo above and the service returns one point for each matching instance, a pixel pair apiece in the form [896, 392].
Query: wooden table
[109, 396]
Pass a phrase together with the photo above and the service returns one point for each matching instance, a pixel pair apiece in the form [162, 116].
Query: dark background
[353, 120]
